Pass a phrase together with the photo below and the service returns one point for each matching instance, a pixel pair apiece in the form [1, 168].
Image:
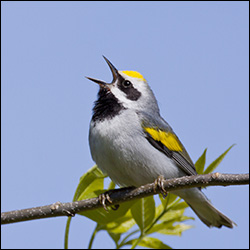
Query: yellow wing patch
[168, 139]
[134, 74]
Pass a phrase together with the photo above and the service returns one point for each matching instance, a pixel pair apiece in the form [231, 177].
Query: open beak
[114, 73]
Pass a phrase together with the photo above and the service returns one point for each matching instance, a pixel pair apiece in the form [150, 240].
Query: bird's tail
[207, 213]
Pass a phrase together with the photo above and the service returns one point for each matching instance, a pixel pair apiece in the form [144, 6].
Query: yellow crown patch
[134, 74]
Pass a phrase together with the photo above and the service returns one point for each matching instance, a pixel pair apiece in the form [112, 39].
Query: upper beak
[114, 73]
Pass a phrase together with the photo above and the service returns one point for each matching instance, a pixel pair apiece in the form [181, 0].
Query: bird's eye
[126, 83]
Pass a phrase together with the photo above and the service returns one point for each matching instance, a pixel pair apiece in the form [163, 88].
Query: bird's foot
[105, 198]
[159, 183]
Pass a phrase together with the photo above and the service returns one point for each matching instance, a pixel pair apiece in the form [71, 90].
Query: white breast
[120, 149]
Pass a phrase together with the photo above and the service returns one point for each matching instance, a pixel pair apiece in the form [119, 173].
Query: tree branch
[121, 195]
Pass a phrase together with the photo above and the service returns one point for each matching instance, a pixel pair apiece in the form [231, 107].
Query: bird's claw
[158, 183]
[104, 198]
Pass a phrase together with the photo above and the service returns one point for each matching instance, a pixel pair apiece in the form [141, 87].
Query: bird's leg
[159, 184]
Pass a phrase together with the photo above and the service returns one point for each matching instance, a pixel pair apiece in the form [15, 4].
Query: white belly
[121, 150]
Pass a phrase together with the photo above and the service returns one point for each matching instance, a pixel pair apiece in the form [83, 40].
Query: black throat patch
[106, 106]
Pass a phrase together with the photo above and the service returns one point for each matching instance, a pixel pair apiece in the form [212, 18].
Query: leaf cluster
[135, 221]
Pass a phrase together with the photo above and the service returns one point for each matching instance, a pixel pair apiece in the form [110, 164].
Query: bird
[134, 145]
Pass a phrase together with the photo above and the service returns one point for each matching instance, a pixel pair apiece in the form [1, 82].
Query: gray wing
[181, 158]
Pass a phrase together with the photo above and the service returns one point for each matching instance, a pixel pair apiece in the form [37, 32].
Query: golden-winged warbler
[134, 145]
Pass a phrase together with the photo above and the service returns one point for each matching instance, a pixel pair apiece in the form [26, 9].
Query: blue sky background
[195, 56]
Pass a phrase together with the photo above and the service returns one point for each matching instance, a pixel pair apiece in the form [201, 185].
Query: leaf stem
[138, 241]
[166, 209]
[93, 236]
[123, 242]
[66, 237]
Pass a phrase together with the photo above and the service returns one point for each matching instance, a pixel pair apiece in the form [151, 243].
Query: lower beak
[99, 82]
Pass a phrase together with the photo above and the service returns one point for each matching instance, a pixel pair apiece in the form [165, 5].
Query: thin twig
[121, 195]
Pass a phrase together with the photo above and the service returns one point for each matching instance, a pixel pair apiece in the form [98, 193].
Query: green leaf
[143, 211]
[168, 220]
[83, 190]
[168, 200]
[104, 217]
[166, 227]
[158, 210]
[200, 163]
[115, 237]
[179, 206]
[91, 175]
[150, 243]
[92, 190]
[111, 185]
[121, 225]
[216, 162]
[172, 215]
[90, 186]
